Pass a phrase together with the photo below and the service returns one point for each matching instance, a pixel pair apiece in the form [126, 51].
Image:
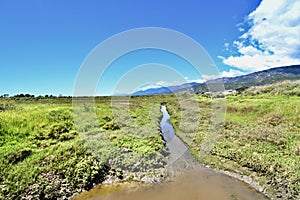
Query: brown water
[197, 184]
[191, 181]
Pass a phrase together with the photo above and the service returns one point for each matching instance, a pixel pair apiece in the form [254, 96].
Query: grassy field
[44, 154]
[260, 139]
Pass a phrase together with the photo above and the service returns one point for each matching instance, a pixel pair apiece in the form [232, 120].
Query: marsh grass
[43, 155]
[260, 138]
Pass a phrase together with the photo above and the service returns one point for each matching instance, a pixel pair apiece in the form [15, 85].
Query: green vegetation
[260, 139]
[42, 155]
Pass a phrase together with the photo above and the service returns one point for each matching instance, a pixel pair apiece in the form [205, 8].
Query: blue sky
[44, 42]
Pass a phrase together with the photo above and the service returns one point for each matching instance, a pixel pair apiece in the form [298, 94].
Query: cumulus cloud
[273, 37]
[157, 85]
[230, 73]
[195, 80]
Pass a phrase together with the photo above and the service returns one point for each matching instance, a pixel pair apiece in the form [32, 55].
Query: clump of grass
[6, 106]
[134, 133]
[17, 156]
[40, 154]
[297, 150]
[272, 119]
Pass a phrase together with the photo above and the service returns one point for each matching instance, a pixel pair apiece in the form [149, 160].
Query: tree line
[30, 96]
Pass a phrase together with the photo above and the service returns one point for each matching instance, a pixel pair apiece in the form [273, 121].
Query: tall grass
[260, 138]
[43, 154]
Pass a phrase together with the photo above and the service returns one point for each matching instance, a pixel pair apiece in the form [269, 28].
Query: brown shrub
[272, 119]
[231, 109]
[297, 150]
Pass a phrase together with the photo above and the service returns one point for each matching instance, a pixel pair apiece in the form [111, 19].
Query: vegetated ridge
[260, 78]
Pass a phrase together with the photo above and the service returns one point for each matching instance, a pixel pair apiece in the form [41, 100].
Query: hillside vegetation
[260, 78]
[260, 139]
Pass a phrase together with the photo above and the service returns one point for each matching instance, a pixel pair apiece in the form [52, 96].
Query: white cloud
[157, 85]
[241, 29]
[195, 80]
[259, 62]
[226, 45]
[273, 38]
[230, 73]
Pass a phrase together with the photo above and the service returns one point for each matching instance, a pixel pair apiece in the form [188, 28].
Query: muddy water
[197, 184]
[191, 181]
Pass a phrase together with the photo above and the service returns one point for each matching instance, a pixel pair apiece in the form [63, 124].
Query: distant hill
[165, 90]
[260, 78]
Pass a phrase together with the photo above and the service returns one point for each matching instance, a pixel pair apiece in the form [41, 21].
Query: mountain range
[165, 90]
[259, 78]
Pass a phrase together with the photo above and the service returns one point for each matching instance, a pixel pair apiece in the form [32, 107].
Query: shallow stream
[191, 180]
